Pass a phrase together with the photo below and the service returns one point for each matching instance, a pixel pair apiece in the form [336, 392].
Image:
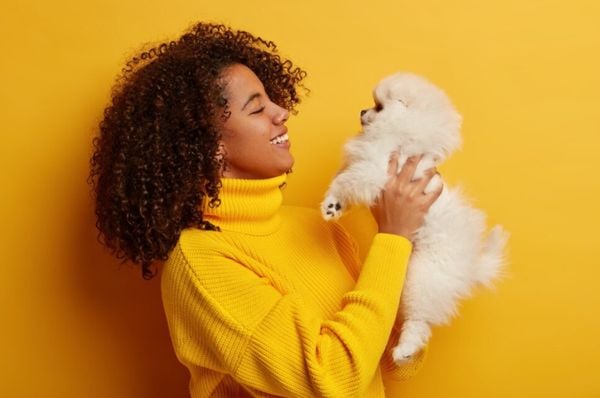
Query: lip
[284, 145]
[285, 130]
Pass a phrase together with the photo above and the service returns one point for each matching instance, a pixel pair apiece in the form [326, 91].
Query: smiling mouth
[280, 139]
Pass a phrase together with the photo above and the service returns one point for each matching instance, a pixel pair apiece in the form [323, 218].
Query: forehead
[240, 82]
[379, 93]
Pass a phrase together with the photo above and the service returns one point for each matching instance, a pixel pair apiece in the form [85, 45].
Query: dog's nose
[363, 112]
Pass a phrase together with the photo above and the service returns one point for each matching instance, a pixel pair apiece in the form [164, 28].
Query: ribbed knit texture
[277, 303]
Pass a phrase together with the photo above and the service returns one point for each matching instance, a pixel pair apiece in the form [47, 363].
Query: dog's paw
[331, 208]
[404, 352]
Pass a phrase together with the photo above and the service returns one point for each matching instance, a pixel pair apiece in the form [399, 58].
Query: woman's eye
[258, 110]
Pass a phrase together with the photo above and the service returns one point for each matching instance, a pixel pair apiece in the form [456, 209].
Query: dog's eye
[378, 107]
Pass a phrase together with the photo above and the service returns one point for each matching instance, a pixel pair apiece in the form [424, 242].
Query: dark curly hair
[156, 158]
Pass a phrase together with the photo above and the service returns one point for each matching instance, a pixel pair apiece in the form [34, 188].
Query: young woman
[261, 299]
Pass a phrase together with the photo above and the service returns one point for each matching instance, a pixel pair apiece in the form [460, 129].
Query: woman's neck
[248, 206]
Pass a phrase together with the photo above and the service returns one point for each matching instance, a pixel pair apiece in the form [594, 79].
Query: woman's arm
[276, 345]
[390, 370]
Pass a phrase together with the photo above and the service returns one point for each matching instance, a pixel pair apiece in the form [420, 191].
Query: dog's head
[413, 114]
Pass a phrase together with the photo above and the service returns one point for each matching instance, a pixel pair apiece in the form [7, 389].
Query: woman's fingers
[393, 164]
[401, 206]
[408, 169]
[432, 196]
[423, 181]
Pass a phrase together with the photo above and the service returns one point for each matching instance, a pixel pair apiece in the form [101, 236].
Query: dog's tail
[493, 257]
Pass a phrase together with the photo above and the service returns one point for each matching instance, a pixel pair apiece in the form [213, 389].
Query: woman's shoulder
[194, 240]
[194, 243]
[195, 254]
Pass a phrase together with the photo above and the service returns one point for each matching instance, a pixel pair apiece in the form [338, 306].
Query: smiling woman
[254, 136]
[261, 299]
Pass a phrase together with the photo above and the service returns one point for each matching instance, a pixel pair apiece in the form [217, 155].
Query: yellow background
[524, 74]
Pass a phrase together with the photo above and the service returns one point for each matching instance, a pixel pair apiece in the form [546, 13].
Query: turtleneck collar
[248, 206]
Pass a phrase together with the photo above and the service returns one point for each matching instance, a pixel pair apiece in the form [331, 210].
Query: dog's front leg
[359, 183]
[334, 203]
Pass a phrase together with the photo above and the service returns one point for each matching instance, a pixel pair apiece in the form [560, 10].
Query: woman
[261, 299]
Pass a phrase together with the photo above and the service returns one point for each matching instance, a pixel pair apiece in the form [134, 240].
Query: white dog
[450, 253]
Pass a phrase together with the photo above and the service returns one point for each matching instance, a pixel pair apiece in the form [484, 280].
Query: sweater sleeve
[390, 370]
[279, 346]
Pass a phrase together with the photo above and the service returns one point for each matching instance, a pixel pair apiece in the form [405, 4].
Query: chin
[287, 167]
[453, 252]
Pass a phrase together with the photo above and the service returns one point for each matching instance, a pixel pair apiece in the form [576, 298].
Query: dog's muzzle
[362, 117]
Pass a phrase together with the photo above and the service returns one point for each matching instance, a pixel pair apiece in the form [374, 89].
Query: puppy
[451, 254]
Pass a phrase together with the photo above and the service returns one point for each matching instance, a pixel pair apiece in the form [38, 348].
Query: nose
[282, 116]
[363, 112]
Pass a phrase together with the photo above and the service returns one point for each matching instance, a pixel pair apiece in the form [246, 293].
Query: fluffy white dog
[451, 254]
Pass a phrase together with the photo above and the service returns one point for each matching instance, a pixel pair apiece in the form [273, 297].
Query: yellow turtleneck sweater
[277, 303]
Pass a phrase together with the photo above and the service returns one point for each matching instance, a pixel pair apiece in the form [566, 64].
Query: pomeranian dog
[451, 253]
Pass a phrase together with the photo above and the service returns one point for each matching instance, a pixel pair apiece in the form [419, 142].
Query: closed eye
[258, 110]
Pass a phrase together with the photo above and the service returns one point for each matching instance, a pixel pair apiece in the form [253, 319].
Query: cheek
[241, 135]
[246, 143]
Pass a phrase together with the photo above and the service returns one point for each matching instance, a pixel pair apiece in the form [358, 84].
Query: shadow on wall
[129, 336]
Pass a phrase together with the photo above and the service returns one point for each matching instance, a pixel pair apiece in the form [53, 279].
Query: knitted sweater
[277, 303]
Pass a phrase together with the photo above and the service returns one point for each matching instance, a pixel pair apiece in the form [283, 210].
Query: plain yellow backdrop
[524, 75]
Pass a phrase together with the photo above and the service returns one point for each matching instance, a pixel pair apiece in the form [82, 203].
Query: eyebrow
[252, 97]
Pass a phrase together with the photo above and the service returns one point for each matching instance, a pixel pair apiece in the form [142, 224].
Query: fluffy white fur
[451, 253]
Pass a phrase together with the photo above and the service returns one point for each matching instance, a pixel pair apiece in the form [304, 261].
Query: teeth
[281, 139]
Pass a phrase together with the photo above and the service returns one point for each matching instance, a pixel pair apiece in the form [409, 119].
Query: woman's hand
[401, 207]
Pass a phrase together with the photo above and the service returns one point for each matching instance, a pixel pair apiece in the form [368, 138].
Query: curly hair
[156, 160]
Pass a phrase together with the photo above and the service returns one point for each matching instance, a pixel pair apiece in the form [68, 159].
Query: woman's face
[254, 135]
